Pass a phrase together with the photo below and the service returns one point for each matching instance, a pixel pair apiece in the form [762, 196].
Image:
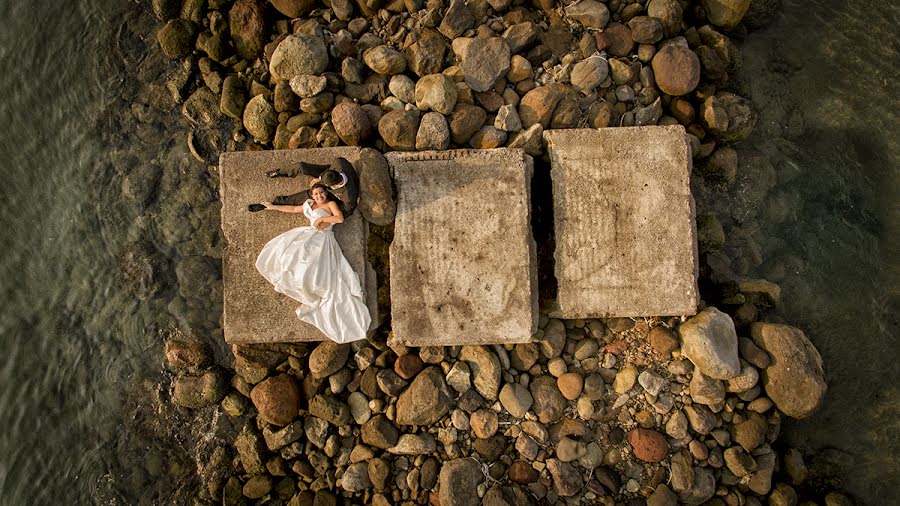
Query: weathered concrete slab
[253, 311]
[624, 222]
[463, 268]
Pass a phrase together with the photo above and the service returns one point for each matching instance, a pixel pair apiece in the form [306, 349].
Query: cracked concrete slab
[463, 267]
[623, 222]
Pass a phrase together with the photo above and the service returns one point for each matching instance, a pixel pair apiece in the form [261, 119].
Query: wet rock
[176, 38]
[425, 401]
[202, 107]
[426, 55]
[459, 481]
[466, 120]
[166, 9]
[187, 354]
[590, 13]
[709, 340]
[196, 391]
[677, 70]
[277, 399]
[795, 379]
[298, 54]
[566, 478]
[485, 368]
[740, 116]
[549, 403]
[328, 358]
[141, 266]
[398, 129]
[725, 13]
[648, 445]
[436, 92]
[250, 449]
[351, 123]
[385, 60]
[260, 119]
[457, 20]
[379, 432]
[795, 467]
[246, 20]
[516, 399]
[484, 62]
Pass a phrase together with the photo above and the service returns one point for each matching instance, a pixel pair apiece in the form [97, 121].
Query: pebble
[459, 377]
[625, 379]
[548, 401]
[484, 423]
[648, 445]
[485, 369]
[570, 385]
[651, 382]
[569, 450]
[556, 367]
[516, 399]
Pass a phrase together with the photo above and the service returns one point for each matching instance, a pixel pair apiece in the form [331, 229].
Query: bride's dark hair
[329, 197]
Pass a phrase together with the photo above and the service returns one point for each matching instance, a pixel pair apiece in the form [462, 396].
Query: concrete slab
[463, 267]
[624, 222]
[253, 311]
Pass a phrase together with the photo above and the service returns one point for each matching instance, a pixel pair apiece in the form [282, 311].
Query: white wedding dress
[307, 265]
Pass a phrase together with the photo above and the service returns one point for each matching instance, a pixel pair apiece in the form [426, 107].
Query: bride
[306, 264]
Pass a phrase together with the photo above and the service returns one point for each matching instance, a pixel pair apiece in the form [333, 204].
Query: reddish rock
[522, 472]
[616, 346]
[615, 39]
[277, 399]
[185, 354]
[351, 123]
[677, 70]
[408, 365]
[648, 445]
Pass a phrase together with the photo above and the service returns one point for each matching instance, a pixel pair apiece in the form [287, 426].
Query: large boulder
[710, 341]
[676, 69]
[196, 391]
[436, 92]
[795, 379]
[247, 23]
[537, 105]
[277, 399]
[376, 194]
[425, 401]
[426, 55]
[351, 123]
[398, 129]
[298, 54]
[385, 60]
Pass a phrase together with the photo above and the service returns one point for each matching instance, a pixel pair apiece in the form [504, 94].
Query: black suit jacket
[341, 165]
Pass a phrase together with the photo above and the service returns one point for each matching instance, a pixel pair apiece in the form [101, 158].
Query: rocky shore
[636, 411]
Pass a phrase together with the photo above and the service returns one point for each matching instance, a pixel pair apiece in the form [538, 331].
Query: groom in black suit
[340, 177]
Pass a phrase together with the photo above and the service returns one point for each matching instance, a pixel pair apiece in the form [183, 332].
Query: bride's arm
[285, 209]
[336, 215]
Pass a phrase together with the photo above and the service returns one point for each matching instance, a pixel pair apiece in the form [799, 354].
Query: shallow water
[82, 417]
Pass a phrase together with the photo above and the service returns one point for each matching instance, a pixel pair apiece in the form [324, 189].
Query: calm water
[81, 149]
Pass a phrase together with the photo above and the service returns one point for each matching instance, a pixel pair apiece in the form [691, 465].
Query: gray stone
[709, 340]
[484, 61]
[252, 311]
[379, 432]
[508, 119]
[549, 404]
[702, 488]
[701, 418]
[604, 198]
[589, 73]
[566, 478]
[706, 390]
[436, 92]
[651, 382]
[356, 478]
[459, 480]
[298, 54]
[448, 285]
[516, 399]
[530, 140]
[434, 132]
[795, 379]
[403, 88]
[306, 86]
[590, 13]
[456, 20]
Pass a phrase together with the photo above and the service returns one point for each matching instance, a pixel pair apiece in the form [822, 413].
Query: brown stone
[795, 379]
[522, 472]
[648, 445]
[408, 365]
[537, 105]
[351, 123]
[277, 399]
[398, 130]
[570, 385]
[676, 69]
[615, 39]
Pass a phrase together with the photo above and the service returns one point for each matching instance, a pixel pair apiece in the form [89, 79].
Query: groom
[340, 177]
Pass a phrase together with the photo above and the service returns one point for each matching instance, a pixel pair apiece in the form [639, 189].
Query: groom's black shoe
[275, 173]
[254, 208]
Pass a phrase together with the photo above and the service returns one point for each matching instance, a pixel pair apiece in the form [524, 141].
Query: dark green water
[80, 412]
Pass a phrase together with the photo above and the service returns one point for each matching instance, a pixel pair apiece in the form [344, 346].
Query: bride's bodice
[314, 214]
